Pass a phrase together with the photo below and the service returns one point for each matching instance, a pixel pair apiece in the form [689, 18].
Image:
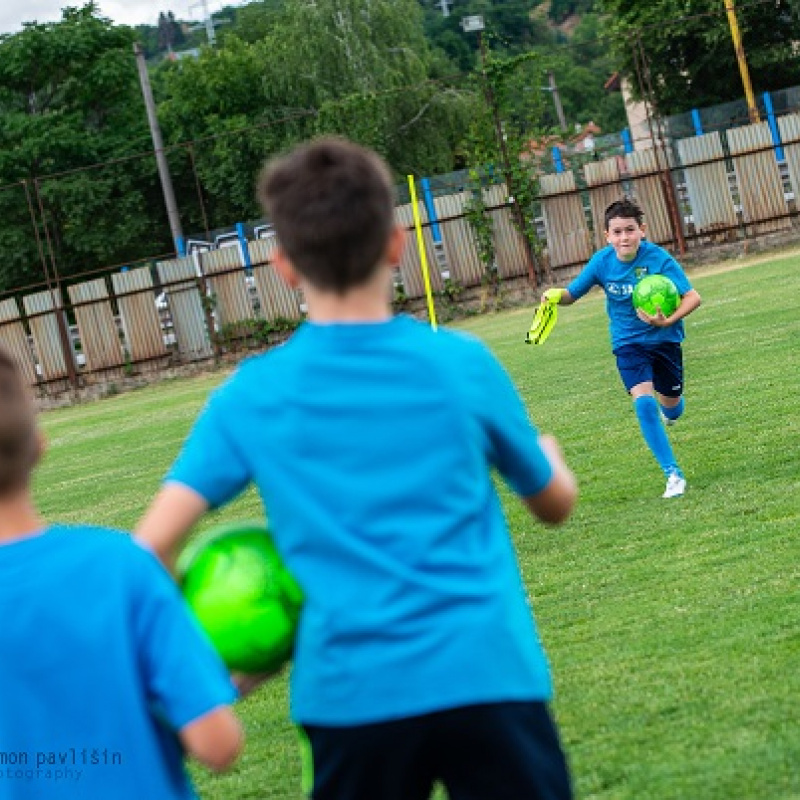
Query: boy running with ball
[373, 441]
[647, 347]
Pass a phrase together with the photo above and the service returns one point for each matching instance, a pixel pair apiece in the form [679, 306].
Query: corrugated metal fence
[718, 187]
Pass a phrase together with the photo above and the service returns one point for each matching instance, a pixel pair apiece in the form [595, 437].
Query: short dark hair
[332, 204]
[624, 209]
[19, 446]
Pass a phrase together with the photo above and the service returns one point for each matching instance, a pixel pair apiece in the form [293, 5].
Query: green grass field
[672, 627]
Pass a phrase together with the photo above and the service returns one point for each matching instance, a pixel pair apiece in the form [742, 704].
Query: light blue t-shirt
[617, 279]
[100, 665]
[372, 446]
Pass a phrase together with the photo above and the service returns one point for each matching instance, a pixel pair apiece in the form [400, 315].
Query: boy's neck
[18, 517]
[367, 303]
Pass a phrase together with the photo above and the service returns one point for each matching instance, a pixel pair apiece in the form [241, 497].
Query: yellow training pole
[738, 47]
[421, 247]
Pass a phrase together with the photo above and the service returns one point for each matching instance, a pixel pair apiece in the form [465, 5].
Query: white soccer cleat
[676, 486]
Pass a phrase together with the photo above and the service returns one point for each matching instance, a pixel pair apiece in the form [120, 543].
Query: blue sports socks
[674, 412]
[654, 433]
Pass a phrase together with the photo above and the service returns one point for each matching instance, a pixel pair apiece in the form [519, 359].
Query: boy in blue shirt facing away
[372, 441]
[105, 679]
[647, 347]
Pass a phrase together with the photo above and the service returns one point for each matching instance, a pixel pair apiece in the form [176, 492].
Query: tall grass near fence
[672, 627]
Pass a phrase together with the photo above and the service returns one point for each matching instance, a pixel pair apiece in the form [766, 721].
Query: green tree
[510, 24]
[581, 70]
[577, 55]
[252, 22]
[366, 67]
[350, 67]
[216, 102]
[562, 9]
[690, 52]
[170, 34]
[69, 98]
[499, 145]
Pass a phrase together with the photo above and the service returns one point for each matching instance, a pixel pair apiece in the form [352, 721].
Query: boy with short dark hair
[372, 440]
[647, 347]
[105, 679]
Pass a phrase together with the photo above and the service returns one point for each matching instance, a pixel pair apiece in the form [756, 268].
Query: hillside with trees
[79, 186]
[566, 32]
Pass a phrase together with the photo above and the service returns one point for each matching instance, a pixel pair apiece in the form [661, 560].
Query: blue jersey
[100, 665]
[372, 446]
[617, 279]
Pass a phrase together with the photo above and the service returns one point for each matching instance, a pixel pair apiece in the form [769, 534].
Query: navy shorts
[497, 751]
[662, 364]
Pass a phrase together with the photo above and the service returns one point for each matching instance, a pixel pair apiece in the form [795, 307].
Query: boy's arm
[168, 520]
[188, 687]
[579, 286]
[215, 739]
[555, 502]
[689, 302]
[531, 463]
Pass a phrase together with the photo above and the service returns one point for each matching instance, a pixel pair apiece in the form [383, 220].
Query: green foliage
[252, 22]
[690, 50]
[561, 9]
[366, 69]
[377, 71]
[393, 74]
[214, 101]
[170, 32]
[581, 71]
[399, 298]
[254, 333]
[498, 147]
[69, 98]
[480, 222]
[578, 56]
[511, 22]
[356, 69]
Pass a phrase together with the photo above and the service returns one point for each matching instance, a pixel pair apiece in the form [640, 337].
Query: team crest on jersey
[640, 272]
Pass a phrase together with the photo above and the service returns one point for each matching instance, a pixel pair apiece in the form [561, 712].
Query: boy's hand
[552, 296]
[658, 320]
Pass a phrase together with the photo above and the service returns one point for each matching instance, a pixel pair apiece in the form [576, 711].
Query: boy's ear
[396, 245]
[285, 268]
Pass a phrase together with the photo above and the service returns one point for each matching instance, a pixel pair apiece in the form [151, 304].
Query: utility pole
[562, 121]
[161, 159]
[752, 108]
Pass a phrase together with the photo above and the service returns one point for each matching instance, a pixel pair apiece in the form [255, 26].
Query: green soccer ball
[241, 593]
[654, 292]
